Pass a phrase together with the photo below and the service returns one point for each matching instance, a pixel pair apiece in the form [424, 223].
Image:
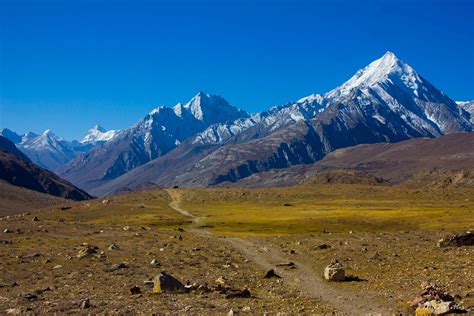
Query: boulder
[457, 240]
[166, 283]
[435, 307]
[335, 272]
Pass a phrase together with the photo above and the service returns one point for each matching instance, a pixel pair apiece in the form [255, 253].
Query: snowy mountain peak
[210, 109]
[98, 128]
[98, 134]
[387, 68]
[311, 98]
[178, 109]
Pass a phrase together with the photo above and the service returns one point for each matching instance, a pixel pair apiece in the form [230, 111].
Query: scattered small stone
[58, 266]
[287, 204]
[246, 309]
[155, 263]
[84, 303]
[35, 219]
[180, 229]
[113, 247]
[439, 308]
[271, 274]
[117, 266]
[126, 228]
[135, 290]
[148, 283]
[64, 208]
[335, 272]
[435, 300]
[29, 296]
[87, 251]
[322, 246]
[290, 265]
[457, 240]
[5, 242]
[7, 231]
[166, 283]
[203, 289]
[105, 201]
[239, 294]
[220, 280]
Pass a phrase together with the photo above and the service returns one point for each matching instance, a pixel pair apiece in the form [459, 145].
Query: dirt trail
[303, 277]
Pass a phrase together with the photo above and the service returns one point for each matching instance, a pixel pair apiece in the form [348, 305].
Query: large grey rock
[335, 272]
[166, 283]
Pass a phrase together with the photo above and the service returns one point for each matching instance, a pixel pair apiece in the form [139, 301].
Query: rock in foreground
[335, 272]
[457, 240]
[166, 283]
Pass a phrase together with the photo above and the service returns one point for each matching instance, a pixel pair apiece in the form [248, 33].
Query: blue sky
[67, 65]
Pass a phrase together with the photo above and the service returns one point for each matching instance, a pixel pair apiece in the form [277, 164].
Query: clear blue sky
[67, 65]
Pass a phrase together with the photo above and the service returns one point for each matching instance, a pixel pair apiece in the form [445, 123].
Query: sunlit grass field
[331, 208]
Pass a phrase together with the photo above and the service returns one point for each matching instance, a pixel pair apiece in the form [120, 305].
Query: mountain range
[207, 141]
[51, 151]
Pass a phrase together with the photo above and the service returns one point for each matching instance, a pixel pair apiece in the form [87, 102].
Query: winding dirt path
[303, 277]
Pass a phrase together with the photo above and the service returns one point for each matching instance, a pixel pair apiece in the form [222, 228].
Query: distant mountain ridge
[18, 170]
[207, 141]
[387, 101]
[159, 132]
[50, 151]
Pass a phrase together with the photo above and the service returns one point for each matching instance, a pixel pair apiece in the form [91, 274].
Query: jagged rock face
[155, 135]
[469, 108]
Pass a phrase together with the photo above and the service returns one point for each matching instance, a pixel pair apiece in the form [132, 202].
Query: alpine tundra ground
[226, 240]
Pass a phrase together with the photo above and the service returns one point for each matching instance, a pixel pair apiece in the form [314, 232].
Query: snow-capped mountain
[48, 150]
[98, 134]
[159, 132]
[396, 87]
[51, 151]
[387, 101]
[264, 123]
[468, 106]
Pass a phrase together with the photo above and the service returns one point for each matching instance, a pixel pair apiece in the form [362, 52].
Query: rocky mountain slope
[469, 107]
[18, 170]
[423, 160]
[17, 200]
[155, 135]
[387, 101]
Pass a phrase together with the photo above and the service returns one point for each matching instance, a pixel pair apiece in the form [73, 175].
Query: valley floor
[228, 238]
